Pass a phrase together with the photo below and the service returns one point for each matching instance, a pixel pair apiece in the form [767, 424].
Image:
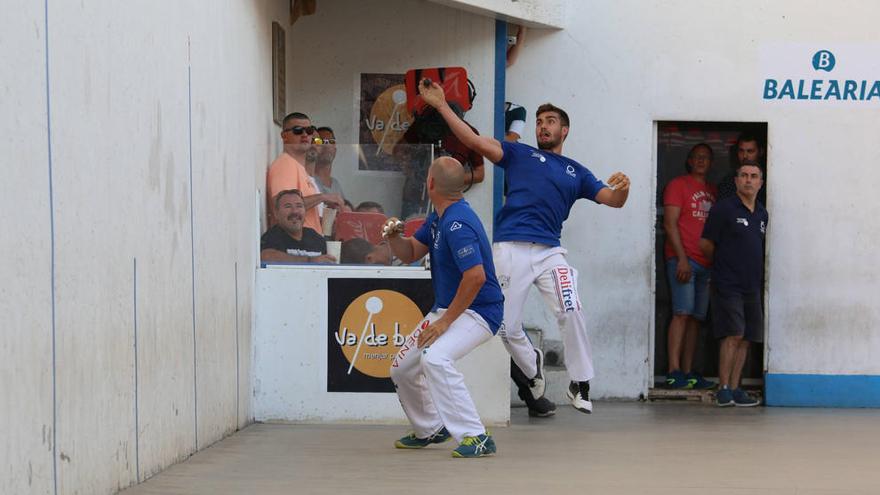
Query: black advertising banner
[368, 320]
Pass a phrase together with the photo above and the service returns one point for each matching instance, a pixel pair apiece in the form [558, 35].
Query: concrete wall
[328, 51]
[159, 133]
[621, 65]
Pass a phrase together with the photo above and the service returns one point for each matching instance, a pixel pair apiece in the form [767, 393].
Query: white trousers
[431, 391]
[518, 265]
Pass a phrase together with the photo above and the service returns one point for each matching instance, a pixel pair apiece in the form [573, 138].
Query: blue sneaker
[677, 379]
[478, 446]
[411, 441]
[742, 399]
[724, 398]
[697, 382]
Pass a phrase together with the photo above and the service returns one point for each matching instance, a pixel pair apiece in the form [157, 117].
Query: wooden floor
[660, 448]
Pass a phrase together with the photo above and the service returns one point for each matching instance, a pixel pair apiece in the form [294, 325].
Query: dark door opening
[675, 139]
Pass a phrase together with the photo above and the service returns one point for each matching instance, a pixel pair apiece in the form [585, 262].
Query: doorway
[675, 139]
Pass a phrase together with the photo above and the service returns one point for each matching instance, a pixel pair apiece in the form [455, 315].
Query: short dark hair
[687, 165]
[745, 137]
[294, 115]
[369, 204]
[750, 163]
[355, 250]
[326, 128]
[285, 193]
[549, 107]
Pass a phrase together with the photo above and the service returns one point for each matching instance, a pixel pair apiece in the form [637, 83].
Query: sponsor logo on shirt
[455, 226]
[302, 252]
[570, 170]
[539, 156]
[465, 252]
[743, 221]
[763, 227]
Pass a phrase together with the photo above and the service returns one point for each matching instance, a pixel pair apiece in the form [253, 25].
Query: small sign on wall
[368, 322]
[279, 94]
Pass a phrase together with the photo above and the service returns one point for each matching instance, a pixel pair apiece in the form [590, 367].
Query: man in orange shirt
[288, 172]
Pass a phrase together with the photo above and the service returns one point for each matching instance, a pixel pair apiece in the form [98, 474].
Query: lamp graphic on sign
[373, 328]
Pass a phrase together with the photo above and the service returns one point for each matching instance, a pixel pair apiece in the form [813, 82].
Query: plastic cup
[334, 248]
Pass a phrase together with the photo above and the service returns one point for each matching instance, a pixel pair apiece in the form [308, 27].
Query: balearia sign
[819, 88]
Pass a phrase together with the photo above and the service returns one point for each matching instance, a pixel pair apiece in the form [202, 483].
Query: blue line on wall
[192, 237]
[799, 390]
[137, 430]
[237, 369]
[52, 256]
[500, 81]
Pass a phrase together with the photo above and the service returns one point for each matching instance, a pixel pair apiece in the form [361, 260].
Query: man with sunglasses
[288, 170]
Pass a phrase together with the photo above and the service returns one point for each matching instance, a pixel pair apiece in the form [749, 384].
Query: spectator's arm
[331, 200]
[269, 255]
[708, 248]
[671, 215]
[513, 51]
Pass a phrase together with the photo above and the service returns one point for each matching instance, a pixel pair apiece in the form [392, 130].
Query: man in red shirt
[686, 203]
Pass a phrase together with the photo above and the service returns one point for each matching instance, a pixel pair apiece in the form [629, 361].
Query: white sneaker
[537, 384]
[579, 394]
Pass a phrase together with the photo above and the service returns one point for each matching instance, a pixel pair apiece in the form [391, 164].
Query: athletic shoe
[697, 382]
[538, 408]
[478, 446]
[724, 398]
[411, 441]
[536, 384]
[579, 394]
[677, 380]
[742, 399]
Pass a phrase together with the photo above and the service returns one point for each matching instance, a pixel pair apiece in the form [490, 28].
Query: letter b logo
[824, 60]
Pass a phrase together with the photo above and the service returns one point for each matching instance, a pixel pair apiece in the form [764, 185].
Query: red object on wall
[453, 79]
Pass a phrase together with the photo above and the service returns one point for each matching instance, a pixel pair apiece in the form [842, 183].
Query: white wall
[119, 90]
[621, 65]
[328, 51]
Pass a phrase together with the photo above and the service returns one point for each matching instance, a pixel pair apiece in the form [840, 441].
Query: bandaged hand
[393, 227]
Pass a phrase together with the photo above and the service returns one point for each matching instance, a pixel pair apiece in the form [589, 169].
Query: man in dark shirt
[288, 241]
[733, 239]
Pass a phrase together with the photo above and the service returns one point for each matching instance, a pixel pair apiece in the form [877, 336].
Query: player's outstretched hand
[393, 227]
[433, 94]
[618, 182]
[432, 333]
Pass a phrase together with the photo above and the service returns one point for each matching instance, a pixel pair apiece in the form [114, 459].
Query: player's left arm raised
[617, 191]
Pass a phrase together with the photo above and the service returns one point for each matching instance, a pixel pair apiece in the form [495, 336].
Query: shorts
[738, 315]
[692, 297]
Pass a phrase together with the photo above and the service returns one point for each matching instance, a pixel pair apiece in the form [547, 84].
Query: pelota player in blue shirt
[467, 312]
[542, 187]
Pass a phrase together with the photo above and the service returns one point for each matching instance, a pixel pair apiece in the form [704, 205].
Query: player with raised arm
[542, 186]
[467, 312]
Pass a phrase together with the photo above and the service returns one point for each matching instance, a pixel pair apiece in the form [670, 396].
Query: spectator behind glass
[324, 164]
[288, 170]
[370, 207]
[360, 251]
[287, 240]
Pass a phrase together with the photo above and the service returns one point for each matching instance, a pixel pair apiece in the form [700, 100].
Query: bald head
[448, 177]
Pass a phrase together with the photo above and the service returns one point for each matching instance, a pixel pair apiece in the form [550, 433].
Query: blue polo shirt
[457, 242]
[738, 234]
[541, 189]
